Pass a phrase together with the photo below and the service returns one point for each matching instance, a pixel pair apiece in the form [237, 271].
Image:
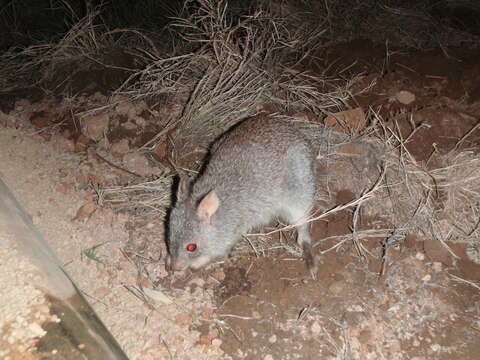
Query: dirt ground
[425, 304]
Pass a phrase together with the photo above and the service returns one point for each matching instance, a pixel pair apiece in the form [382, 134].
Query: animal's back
[251, 167]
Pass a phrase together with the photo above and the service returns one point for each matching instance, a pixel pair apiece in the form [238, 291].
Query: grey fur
[262, 168]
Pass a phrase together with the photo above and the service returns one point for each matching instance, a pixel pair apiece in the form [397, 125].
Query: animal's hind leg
[299, 198]
[295, 214]
[305, 243]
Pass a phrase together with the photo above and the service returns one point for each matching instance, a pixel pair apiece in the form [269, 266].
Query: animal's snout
[174, 265]
[177, 266]
[180, 264]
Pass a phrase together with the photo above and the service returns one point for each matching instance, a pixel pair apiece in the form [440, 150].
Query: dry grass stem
[236, 67]
[143, 198]
[80, 48]
[463, 281]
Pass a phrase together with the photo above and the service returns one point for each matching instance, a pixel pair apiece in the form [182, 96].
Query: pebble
[183, 318]
[36, 329]
[405, 97]
[121, 146]
[420, 256]
[316, 328]
[137, 163]
[337, 287]
[437, 266]
[95, 126]
[427, 278]
[216, 342]
[256, 315]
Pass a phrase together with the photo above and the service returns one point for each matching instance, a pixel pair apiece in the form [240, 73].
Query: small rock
[64, 143]
[95, 126]
[316, 328]
[99, 96]
[36, 330]
[354, 331]
[83, 139]
[129, 125]
[141, 122]
[85, 211]
[256, 315]
[427, 278]
[204, 340]
[79, 147]
[216, 342]
[337, 288]
[353, 120]
[137, 163]
[7, 120]
[81, 143]
[420, 256]
[126, 109]
[268, 357]
[64, 188]
[22, 104]
[82, 180]
[272, 339]
[405, 97]
[121, 146]
[437, 266]
[39, 121]
[67, 134]
[183, 318]
[161, 150]
[208, 339]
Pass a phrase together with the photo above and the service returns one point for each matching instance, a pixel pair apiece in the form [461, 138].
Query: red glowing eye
[191, 247]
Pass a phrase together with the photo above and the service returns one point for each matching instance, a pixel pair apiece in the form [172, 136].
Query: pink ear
[208, 206]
